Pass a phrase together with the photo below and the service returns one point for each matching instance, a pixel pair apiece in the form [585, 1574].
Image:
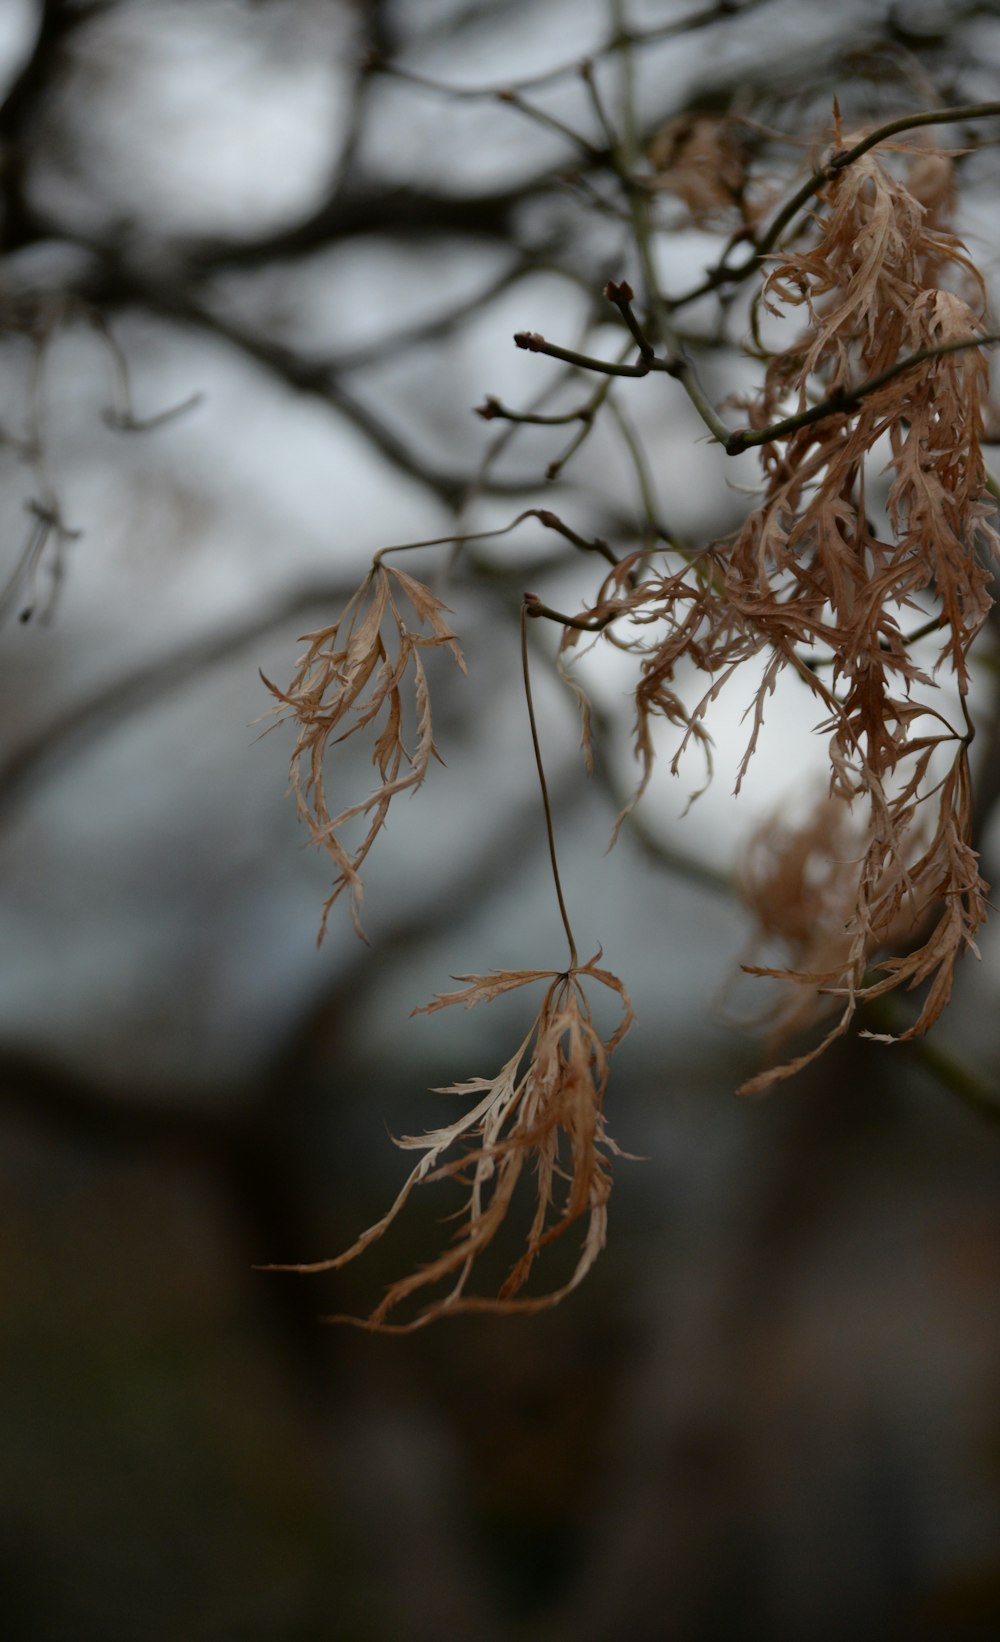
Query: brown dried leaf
[544, 1108]
[807, 583]
[701, 159]
[347, 680]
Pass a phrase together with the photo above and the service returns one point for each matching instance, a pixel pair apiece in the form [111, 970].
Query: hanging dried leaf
[542, 1112]
[351, 677]
[809, 584]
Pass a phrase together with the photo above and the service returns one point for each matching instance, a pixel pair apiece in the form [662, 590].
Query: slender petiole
[526, 604]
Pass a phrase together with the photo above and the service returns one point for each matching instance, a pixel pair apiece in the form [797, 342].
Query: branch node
[619, 291]
[621, 294]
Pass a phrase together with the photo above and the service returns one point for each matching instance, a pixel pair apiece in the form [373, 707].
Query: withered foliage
[543, 1112]
[351, 677]
[800, 881]
[810, 584]
[870, 593]
[701, 160]
[810, 572]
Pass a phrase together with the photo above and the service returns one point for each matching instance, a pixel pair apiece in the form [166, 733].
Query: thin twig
[455, 538]
[493, 409]
[122, 416]
[624, 160]
[725, 274]
[550, 123]
[679, 367]
[526, 608]
[534, 606]
[587, 419]
[621, 294]
[846, 400]
[534, 342]
[643, 477]
[595, 544]
[722, 11]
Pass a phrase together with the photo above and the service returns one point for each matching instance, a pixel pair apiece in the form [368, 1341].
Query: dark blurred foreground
[771, 1414]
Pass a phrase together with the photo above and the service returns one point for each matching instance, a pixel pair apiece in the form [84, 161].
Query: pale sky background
[161, 908]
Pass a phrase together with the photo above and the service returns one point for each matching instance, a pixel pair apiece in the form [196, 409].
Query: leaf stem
[458, 538]
[527, 603]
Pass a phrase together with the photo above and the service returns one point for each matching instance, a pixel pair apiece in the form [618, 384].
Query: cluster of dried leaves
[880, 888]
[809, 583]
[543, 1110]
[545, 1107]
[349, 678]
[703, 161]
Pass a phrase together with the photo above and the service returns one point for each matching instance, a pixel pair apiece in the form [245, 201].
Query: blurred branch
[78, 726]
[447, 321]
[948, 1069]
[401, 212]
[722, 11]
[44, 1089]
[548, 122]
[120, 285]
[57, 19]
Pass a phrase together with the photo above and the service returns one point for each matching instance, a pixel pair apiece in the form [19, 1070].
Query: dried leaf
[808, 584]
[544, 1108]
[701, 159]
[347, 680]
